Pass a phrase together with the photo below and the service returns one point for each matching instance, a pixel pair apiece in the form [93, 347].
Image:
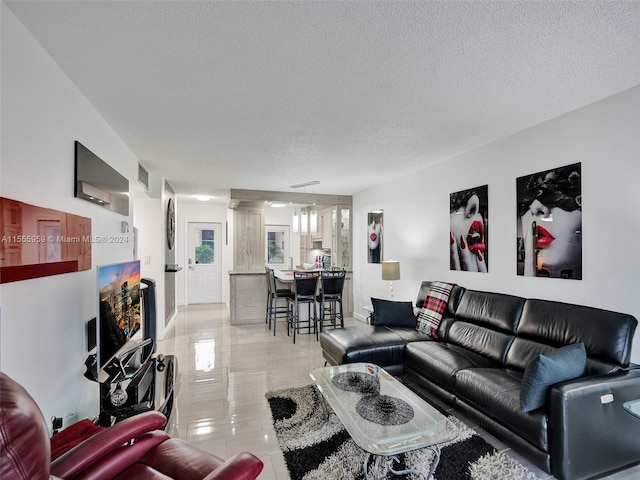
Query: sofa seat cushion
[440, 362]
[381, 345]
[496, 393]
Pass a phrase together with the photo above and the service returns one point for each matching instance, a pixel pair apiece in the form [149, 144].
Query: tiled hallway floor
[224, 372]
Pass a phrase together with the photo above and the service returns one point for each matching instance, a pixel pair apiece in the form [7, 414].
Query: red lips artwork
[543, 237]
[475, 238]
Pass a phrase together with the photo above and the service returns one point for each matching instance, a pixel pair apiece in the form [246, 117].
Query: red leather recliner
[131, 449]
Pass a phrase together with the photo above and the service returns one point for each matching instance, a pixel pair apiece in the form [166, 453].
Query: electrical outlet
[56, 423]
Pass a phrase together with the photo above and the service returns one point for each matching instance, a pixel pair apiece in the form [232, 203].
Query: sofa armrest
[590, 432]
[94, 450]
[242, 466]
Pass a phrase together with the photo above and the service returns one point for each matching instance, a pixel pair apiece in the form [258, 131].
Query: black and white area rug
[319, 448]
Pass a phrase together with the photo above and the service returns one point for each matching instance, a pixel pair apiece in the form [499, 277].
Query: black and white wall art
[374, 236]
[549, 223]
[469, 229]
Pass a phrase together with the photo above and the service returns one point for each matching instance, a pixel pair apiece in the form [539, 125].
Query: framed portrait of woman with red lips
[468, 230]
[549, 236]
[374, 236]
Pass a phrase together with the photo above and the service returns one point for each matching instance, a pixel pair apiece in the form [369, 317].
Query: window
[277, 245]
[204, 246]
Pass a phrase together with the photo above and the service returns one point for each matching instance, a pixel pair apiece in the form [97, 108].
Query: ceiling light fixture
[203, 198]
[305, 184]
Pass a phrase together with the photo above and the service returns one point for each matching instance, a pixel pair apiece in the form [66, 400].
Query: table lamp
[391, 272]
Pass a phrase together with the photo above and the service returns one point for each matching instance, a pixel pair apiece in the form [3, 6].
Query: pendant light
[295, 221]
[313, 221]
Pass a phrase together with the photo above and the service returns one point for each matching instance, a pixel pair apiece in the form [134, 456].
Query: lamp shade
[391, 270]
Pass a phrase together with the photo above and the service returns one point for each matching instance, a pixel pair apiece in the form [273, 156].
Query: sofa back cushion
[545, 324]
[484, 323]
[496, 310]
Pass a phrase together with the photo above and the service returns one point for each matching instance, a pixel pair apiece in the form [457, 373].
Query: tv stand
[149, 388]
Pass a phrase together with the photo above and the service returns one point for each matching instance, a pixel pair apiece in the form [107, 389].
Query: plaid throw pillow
[434, 306]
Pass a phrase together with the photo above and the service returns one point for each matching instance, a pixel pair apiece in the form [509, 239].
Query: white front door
[204, 258]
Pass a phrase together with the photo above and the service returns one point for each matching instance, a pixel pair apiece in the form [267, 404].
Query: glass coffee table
[383, 417]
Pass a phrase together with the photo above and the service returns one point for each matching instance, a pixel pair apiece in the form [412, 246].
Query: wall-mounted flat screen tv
[98, 182]
[119, 319]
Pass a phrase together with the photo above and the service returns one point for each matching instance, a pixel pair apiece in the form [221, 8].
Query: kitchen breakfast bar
[248, 295]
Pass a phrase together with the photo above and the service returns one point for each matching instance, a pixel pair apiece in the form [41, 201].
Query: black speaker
[92, 339]
[149, 309]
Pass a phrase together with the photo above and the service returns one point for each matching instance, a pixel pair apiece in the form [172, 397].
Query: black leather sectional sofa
[486, 340]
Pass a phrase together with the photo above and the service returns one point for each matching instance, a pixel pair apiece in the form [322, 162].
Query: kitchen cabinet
[248, 297]
[248, 252]
[334, 231]
[310, 242]
[341, 236]
[326, 228]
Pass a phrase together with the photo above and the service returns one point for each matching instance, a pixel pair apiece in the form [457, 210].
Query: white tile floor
[224, 372]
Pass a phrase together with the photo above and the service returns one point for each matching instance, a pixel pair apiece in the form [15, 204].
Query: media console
[135, 378]
[149, 388]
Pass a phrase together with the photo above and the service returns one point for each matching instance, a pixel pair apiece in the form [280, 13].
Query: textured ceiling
[262, 95]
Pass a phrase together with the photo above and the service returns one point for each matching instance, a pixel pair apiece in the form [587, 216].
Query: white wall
[43, 325]
[604, 136]
[149, 220]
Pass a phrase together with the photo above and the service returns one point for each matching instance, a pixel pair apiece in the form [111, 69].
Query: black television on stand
[123, 351]
[122, 346]
[132, 379]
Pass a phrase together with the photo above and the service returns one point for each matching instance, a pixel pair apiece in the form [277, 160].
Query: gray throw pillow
[393, 314]
[547, 369]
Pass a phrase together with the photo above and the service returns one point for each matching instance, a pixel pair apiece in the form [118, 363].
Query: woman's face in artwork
[467, 225]
[557, 235]
[374, 234]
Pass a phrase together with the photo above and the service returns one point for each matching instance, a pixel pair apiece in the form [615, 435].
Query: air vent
[143, 176]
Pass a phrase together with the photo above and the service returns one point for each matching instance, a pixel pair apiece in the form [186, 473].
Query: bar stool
[267, 318]
[275, 295]
[330, 297]
[305, 289]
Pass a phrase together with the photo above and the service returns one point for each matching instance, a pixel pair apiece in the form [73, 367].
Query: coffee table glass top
[382, 415]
